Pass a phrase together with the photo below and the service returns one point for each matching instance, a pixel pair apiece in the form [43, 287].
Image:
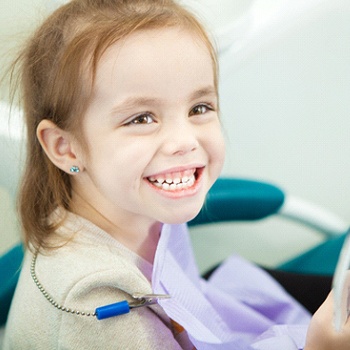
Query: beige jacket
[91, 270]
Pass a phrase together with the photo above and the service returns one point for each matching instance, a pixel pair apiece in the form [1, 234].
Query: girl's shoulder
[83, 248]
[81, 277]
[89, 257]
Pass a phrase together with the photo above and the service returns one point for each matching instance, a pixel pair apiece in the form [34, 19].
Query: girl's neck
[140, 237]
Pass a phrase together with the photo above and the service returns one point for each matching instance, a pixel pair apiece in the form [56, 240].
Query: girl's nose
[180, 140]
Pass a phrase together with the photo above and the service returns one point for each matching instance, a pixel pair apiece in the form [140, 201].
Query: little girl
[124, 142]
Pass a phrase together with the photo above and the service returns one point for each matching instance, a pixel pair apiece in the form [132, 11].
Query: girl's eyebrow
[208, 90]
[131, 102]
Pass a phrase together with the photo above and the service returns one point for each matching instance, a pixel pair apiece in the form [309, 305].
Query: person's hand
[322, 335]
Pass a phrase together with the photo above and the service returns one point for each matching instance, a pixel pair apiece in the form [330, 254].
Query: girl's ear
[58, 145]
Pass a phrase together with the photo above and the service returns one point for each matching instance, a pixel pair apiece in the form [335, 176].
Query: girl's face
[152, 130]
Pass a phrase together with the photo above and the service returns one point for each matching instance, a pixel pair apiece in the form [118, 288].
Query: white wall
[17, 19]
[285, 99]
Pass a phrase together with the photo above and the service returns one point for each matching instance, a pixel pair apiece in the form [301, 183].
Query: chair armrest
[239, 200]
[10, 266]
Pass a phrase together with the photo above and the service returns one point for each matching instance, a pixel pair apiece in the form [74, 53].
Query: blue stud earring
[74, 169]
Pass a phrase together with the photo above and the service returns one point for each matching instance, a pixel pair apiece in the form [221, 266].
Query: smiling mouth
[176, 181]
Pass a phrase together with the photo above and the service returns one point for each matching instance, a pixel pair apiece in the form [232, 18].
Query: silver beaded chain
[49, 297]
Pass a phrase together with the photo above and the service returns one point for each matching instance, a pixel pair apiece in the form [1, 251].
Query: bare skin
[321, 333]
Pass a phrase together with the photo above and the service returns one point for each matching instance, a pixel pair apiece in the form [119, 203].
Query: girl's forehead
[155, 55]
[158, 43]
[166, 68]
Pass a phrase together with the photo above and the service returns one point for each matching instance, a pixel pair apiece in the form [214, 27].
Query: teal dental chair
[232, 200]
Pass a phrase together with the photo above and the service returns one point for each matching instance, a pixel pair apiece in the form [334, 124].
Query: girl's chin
[179, 218]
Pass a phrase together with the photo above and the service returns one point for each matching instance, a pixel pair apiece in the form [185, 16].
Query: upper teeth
[176, 183]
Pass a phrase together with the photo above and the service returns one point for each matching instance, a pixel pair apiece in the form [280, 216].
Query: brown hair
[56, 73]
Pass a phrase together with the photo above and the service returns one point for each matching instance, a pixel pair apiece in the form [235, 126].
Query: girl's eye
[200, 109]
[142, 119]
